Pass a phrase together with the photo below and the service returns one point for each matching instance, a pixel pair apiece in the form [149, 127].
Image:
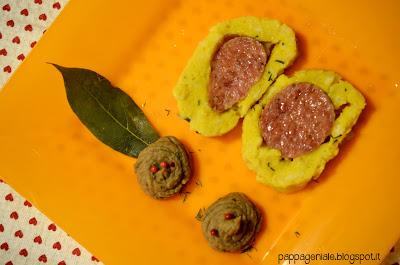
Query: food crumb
[200, 214]
[198, 183]
[185, 194]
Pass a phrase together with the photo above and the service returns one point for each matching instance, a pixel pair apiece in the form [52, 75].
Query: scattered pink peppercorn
[214, 232]
[229, 216]
[164, 164]
[165, 173]
[153, 169]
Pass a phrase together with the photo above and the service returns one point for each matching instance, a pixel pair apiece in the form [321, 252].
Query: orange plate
[142, 46]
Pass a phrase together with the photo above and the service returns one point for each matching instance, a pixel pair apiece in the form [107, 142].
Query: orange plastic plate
[142, 46]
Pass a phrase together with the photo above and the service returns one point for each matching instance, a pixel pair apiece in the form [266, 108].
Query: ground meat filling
[297, 120]
[237, 65]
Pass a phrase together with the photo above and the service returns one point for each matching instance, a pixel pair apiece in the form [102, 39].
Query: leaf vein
[115, 119]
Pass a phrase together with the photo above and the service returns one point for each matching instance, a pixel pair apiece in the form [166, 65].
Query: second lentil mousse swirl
[231, 223]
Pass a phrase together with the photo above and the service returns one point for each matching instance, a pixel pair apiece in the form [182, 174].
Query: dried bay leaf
[107, 111]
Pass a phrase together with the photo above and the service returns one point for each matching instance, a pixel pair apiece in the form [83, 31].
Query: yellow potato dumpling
[192, 89]
[292, 173]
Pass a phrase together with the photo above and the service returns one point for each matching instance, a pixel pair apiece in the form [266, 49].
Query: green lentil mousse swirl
[231, 223]
[163, 168]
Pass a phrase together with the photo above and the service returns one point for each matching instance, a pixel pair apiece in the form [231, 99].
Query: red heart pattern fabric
[29, 237]
[22, 23]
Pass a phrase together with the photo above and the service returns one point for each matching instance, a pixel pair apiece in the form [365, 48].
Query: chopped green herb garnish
[167, 111]
[273, 169]
[297, 234]
[200, 214]
[270, 77]
[334, 137]
[185, 195]
[248, 255]
[198, 102]
[280, 61]
[198, 183]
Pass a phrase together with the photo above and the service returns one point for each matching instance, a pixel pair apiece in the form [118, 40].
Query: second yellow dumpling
[297, 156]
